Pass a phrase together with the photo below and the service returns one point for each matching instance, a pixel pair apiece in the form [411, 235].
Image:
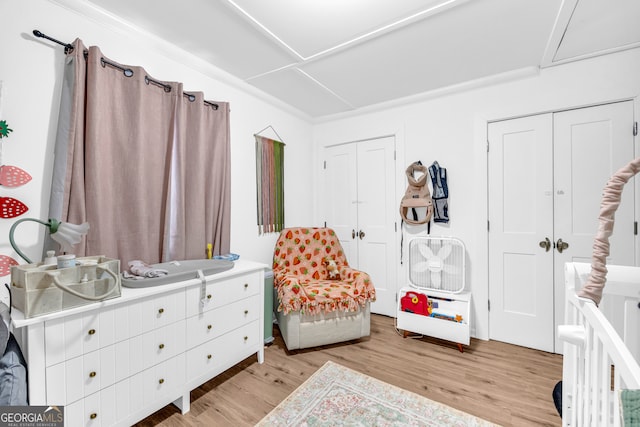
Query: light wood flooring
[502, 383]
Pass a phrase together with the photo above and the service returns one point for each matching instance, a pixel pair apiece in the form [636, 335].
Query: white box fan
[435, 303]
[437, 263]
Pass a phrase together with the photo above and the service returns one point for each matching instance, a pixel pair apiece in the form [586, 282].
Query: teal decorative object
[4, 129]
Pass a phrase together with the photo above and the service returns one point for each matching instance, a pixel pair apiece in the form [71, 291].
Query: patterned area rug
[335, 395]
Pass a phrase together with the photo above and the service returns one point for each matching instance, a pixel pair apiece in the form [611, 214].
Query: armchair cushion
[302, 280]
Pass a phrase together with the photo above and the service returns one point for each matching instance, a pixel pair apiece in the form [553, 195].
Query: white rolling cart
[435, 303]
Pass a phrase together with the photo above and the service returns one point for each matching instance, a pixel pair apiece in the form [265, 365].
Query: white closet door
[376, 216]
[591, 144]
[360, 205]
[521, 219]
[546, 175]
[341, 196]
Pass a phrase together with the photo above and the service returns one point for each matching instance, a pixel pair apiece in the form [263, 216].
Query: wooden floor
[502, 383]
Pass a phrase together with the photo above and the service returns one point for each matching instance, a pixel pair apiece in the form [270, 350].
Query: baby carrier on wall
[440, 193]
[416, 196]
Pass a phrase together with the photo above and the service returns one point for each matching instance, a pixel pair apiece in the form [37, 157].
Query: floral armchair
[302, 280]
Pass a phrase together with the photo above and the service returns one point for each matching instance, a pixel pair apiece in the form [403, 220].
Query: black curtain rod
[68, 48]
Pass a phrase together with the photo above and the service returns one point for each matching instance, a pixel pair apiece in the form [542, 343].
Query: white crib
[598, 361]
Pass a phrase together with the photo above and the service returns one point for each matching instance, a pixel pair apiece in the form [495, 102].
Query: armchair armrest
[360, 280]
[291, 296]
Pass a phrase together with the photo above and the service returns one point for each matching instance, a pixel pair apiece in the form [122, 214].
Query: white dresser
[117, 361]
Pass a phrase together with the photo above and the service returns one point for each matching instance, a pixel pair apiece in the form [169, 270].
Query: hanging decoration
[4, 129]
[270, 183]
[13, 176]
[5, 265]
[10, 176]
[11, 208]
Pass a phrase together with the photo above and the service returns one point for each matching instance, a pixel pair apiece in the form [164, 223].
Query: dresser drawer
[159, 383]
[213, 323]
[96, 410]
[222, 292]
[76, 335]
[142, 351]
[219, 354]
[81, 376]
[161, 310]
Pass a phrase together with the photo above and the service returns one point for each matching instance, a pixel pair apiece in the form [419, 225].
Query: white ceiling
[327, 57]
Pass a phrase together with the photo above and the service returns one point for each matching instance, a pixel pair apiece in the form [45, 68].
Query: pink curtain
[134, 158]
[200, 180]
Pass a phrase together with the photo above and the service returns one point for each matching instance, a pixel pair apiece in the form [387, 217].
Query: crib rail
[597, 363]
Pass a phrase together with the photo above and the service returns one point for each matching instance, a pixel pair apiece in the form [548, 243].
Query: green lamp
[67, 234]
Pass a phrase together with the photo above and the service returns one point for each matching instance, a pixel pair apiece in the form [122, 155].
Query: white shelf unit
[448, 304]
[436, 269]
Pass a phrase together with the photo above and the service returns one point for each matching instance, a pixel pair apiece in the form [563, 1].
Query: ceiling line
[565, 12]
[594, 54]
[264, 28]
[441, 7]
[275, 70]
[406, 20]
[325, 88]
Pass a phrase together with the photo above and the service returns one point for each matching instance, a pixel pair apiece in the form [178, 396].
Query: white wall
[452, 129]
[30, 71]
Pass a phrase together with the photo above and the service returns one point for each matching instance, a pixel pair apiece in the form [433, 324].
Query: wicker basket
[38, 289]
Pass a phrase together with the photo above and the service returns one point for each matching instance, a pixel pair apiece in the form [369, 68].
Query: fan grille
[437, 263]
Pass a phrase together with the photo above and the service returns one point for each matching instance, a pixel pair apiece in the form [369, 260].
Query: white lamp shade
[69, 235]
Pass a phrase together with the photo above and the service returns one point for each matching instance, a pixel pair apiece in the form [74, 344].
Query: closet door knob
[545, 244]
[353, 234]
[361, 234]
[561, 246]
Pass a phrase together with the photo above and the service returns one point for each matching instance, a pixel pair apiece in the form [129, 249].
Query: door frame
[481, 188]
